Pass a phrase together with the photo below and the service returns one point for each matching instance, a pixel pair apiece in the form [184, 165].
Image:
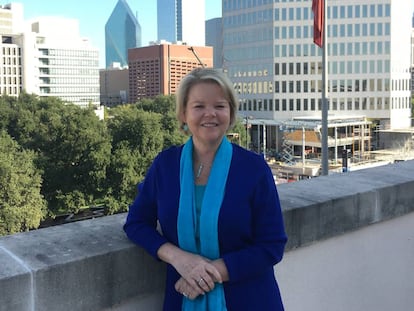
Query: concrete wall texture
[351, 247]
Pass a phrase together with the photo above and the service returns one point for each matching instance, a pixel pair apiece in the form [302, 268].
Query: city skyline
[92, 24]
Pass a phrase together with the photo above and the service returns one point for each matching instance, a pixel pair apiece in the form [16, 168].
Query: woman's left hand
[188, 290]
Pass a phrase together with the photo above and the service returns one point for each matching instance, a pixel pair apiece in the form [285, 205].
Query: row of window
[334, 49]
[10, 90]
[335, 104]
[69, 90]
[229, 5]
[70, 53]
[12, 61]
[68, 80]
[283, 14]
[334, 86]
[306, 32]
[71, 62]
[336, 31]
[11, 80]
[339, 86]
[69, 71]
[335, 12]
[12, 70]
[335, 67]
[12, 51]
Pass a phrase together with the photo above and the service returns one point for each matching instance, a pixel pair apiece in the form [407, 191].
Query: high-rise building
[277, 69]
[157, 69]
[214, 38]
[122, 32]
[11, 24]
[181, 21]
[47, 57]
[11, 18]
[58, 62]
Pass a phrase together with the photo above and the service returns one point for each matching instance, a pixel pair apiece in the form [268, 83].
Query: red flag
[318, 21]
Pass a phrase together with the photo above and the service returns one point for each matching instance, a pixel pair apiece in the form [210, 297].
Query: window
[298, 108]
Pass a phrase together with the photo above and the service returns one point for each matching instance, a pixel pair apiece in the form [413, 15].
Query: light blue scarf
[210, 208]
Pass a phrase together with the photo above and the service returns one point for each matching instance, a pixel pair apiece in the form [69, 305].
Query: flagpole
[324, 139]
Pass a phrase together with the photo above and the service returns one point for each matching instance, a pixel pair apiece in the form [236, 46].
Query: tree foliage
[67, 159]
[22, 206]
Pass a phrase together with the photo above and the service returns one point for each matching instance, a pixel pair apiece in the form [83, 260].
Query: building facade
[114, 85]
[214, 38]
[277, 69]
[181, 21]
[11, 24]
[122, 32]
[158, 69]
[11, 79]
[58, 62]
[47, 57]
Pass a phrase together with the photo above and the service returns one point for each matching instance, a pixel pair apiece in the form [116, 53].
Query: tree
[73, 148]
[137, 138]
[22, 206]
[165, 106]
[124, 173]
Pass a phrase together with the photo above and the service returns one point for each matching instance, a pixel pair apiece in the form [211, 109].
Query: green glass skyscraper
[122, 32]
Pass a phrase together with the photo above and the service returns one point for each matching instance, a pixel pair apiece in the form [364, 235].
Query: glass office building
[277, 69]
[122, 32]
[181, 20]
[214, 38]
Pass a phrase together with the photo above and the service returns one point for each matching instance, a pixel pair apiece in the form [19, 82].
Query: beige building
[114, 85]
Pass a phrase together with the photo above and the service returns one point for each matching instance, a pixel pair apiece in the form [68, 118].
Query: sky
[93, 15]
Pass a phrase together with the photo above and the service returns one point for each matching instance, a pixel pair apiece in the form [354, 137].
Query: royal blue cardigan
[251, 229]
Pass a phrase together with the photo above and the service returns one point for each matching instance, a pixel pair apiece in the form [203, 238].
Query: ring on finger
[201, 280]
[185, 294]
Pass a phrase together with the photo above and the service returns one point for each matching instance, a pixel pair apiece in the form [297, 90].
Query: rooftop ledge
[90, 265]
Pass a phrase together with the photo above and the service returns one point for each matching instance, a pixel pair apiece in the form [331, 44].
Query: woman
[217, 207]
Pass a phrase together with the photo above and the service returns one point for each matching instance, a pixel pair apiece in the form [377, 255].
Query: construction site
[293, 148]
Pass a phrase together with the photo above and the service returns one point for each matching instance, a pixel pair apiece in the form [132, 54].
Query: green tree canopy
[22, 206]
[72, 144]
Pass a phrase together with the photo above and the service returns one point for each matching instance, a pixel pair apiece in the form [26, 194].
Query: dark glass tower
[122, 32]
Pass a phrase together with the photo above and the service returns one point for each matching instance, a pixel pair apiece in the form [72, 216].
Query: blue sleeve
[141, 222]
[266, 245]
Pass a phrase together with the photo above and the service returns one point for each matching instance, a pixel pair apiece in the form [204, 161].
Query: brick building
[157, 69]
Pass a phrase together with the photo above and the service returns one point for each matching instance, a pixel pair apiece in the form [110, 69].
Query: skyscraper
[214, 38]
[181, 20]
[276, 68]
[122, 32]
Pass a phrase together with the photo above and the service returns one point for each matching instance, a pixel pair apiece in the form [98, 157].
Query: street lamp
[264, 139]
[247, 126]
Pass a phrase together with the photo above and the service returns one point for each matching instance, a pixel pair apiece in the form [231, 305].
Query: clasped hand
[198, 275]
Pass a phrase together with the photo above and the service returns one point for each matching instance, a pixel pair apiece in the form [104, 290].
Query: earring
[185, 127]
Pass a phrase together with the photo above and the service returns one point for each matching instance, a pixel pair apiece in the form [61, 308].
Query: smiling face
[207, 113]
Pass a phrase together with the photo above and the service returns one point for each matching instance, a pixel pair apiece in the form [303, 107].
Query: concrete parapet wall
[316, 209]
[90, 265]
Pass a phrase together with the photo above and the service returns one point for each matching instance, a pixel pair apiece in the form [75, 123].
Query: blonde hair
[203, 75]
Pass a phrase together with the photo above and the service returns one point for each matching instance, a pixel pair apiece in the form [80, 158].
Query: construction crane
[196, 56]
